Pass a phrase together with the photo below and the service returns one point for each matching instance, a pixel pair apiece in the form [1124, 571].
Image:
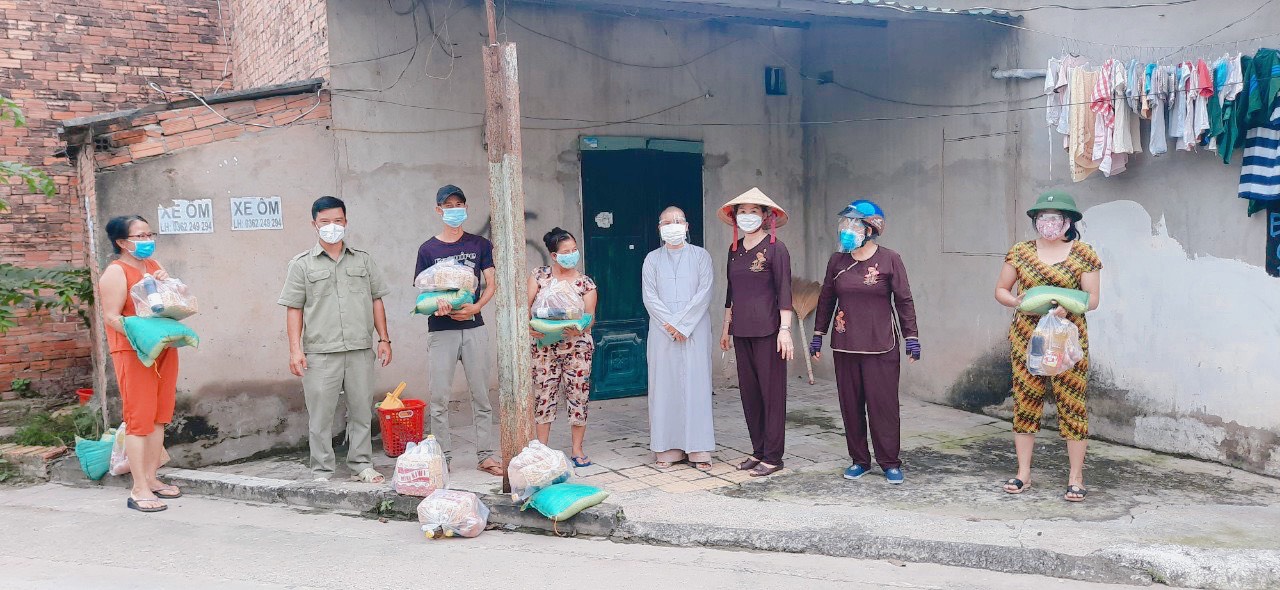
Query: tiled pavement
[618, 444]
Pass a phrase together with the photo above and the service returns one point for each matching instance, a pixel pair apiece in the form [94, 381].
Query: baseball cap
[447, 191]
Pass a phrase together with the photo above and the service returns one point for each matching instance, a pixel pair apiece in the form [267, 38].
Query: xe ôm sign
[186, 217]
[253, 213]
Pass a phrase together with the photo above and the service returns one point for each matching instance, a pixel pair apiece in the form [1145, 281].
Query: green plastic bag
[1039, 300]
[562, 501]
[429, 301]
[95, 455]
[553, 330]
[150, 336]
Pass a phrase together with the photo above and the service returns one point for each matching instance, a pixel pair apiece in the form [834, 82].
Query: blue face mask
[850, 240]
[454, 216]
[144, 249]
[569, 260]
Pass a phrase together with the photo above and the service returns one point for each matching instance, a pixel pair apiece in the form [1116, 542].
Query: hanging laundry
[1230, 96]
[1260, 172]
[1202, 91]
[1082, 124]
[1125, 134]
[1238, 124]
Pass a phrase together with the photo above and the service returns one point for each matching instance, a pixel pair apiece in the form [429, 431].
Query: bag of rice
[150, 336]
[429, 301]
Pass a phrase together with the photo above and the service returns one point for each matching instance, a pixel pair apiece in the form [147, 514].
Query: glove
[913, 348]
[815, 345]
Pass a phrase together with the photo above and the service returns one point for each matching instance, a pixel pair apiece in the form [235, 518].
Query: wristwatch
[387, 341]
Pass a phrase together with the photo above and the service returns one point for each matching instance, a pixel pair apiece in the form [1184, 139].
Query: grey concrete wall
[394, 156]
[388, 151]
[1179, 343]
[236, 396]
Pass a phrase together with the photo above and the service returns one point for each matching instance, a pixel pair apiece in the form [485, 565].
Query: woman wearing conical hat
[757, 323]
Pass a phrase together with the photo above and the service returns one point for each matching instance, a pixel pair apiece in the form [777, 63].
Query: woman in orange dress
[147, 392]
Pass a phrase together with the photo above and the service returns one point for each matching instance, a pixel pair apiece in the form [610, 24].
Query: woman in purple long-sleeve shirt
[864, 285]
[757, 318]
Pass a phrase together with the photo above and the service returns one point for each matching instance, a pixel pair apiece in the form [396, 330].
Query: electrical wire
[1233, 23]
[873, 96]
[199, 98]
[1110, 44]
[417, 40]
[1081, 8]
[620, 62]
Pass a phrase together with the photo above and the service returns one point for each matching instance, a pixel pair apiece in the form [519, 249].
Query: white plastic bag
[447, 275]
[452, 513]
[535, 468]
[120, 461]
[1054, 347]
[169, 298]
[421, 469]
[558, 300]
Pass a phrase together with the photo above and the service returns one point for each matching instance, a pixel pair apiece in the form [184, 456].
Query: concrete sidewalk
[1148, 517]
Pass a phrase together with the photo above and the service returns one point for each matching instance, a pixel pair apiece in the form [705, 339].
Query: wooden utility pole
[506, 202]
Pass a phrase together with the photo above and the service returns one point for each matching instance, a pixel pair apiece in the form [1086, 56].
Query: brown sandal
[703, 466]
[492, 467]
[763, 470]
[748, 464]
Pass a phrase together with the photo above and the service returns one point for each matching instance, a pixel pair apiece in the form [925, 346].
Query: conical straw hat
[753, 197]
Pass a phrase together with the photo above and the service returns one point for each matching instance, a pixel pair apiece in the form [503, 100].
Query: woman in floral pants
[566, 363]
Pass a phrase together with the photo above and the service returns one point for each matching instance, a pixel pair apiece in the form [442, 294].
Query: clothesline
[1223, 44]
[1218, 105]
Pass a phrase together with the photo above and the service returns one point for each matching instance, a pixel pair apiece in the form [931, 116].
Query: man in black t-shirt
[459, 333]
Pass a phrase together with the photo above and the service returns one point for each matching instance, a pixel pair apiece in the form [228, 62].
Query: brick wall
[274, 42]
[62, 59]
[160, 133]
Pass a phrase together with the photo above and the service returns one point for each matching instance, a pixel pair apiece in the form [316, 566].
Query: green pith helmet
[1057, 201]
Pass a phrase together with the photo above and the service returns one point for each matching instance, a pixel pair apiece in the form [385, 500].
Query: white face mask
[749, 222]
[332, 233]
[673, 233]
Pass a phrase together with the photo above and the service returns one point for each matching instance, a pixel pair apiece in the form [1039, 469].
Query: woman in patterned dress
[1057, 258]
[566, 363]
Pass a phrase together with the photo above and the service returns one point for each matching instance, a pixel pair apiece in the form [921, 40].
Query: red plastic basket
[402, 426]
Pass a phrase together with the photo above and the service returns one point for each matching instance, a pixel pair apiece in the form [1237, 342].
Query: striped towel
[1260, 174]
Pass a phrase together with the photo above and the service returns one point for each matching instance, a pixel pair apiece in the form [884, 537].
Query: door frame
[596, 143]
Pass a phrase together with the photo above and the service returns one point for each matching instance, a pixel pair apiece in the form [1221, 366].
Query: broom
[804, 299]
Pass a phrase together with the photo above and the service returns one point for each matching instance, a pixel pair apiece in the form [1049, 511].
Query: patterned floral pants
[1029, 390]
[567, 365]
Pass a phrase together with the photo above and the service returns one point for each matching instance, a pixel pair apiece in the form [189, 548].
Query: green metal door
[626, 183]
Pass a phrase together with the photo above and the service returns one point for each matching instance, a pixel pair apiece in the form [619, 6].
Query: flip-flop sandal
[748, 464]
[763, 470]
[1018, 485]
[582, 461]
[165, 493]
[704, 466]
[135, 505]
[1075, 490]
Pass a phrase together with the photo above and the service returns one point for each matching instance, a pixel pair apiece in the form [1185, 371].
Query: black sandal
[1018, 485]
[134, 504]
[1077, 491]
[170, 492]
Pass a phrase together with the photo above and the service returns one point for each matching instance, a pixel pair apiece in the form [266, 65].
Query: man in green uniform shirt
[334, 298]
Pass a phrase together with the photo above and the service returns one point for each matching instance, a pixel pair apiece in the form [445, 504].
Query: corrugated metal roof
[916, 8]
